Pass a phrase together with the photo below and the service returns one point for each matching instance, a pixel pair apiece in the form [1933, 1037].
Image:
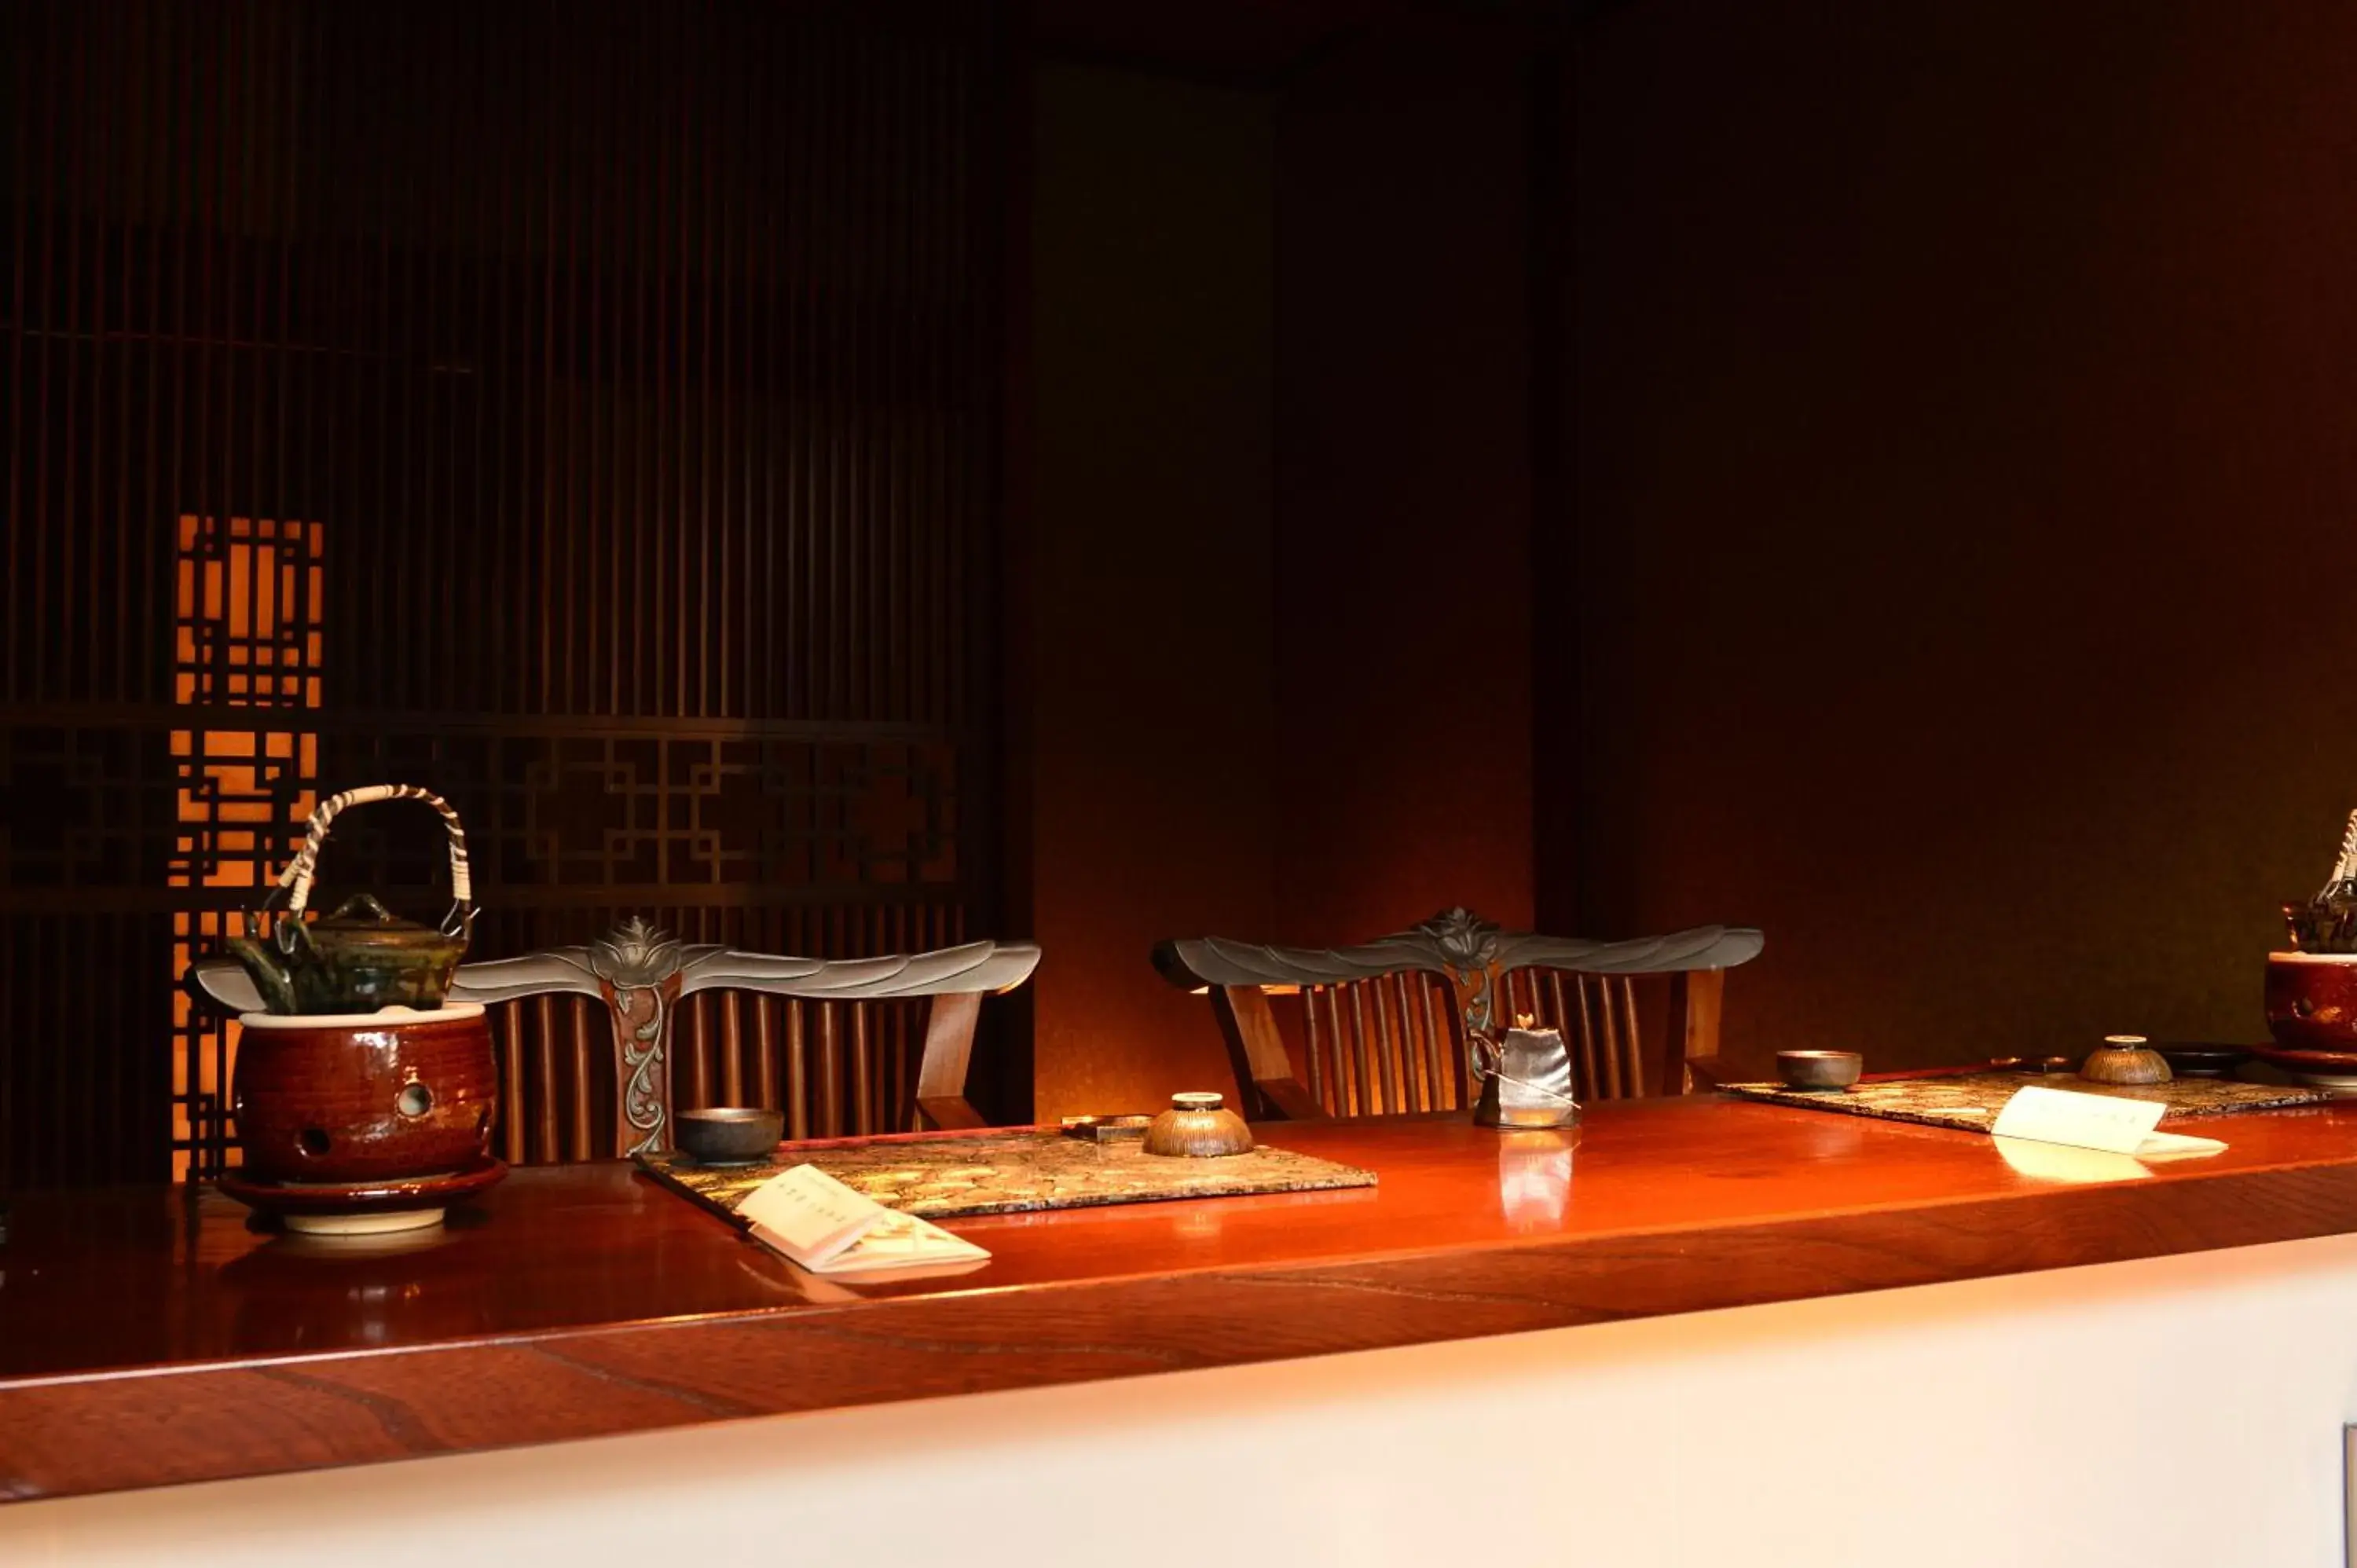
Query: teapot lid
[362, 911]
[361, 919]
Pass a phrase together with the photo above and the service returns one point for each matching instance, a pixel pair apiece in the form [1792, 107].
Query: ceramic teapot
[363, 957]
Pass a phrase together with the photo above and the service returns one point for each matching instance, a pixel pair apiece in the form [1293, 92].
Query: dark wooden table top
[150, 1336]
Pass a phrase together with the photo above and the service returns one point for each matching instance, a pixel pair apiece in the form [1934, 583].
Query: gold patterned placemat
[1971, 1099]
[1010, 1173]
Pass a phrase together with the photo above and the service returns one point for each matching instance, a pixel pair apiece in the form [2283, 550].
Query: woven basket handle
[296, 878]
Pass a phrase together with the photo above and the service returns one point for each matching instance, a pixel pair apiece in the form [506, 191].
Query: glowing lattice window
[247, 600]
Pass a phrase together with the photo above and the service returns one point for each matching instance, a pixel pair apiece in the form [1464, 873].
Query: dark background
[852, 477]
[1962, 482]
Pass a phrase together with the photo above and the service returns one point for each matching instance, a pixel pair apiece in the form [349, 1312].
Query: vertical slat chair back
[834, 1068]
[1380, 1028]
[1374, 1048]
[600, 1046]
[1599, 1016]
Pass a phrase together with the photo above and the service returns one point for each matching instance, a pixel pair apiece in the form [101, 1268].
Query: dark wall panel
[588, 409]
[1404, 473]
[1153, 615]
[1958, 424]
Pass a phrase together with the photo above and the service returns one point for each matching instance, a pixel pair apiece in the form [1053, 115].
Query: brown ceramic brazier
[2312, 1012]
[364, 1097]
[2312, 1000]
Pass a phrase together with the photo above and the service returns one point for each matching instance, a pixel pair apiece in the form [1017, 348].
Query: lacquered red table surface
[581, 1300]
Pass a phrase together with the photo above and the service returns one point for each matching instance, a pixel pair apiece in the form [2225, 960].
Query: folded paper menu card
[2094, 1121]
[828, 1228]
[2063, 1163]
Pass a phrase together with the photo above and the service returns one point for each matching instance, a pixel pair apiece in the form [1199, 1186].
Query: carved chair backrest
[1380, 1028]
[599, 1046]
[834, 1068]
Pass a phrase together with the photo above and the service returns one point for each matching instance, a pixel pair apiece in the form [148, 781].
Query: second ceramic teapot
[1526, 1078]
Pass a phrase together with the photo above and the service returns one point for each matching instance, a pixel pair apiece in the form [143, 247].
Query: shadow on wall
[1278, 554]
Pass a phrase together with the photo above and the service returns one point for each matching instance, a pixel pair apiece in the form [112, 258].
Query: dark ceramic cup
[730, 1135]
[1819, 1070]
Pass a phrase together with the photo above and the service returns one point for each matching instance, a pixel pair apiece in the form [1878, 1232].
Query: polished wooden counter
[150, 1336]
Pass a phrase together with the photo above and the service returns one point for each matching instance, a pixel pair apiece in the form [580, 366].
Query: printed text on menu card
[826, 1228]
[2106, 1122]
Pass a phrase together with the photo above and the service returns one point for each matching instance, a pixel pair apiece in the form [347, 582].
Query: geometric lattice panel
[590, 413]
[249, 654]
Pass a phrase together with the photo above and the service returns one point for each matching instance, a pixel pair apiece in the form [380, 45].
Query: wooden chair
[1380, 1029]
[598, 1045]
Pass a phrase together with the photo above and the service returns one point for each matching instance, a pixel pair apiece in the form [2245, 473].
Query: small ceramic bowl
[730, 1135]
[1819, 1070]
[2127, 1061]
[1198, 1125]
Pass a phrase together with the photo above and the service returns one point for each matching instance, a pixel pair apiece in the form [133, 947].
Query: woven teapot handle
[2344, 869]
[298, 876]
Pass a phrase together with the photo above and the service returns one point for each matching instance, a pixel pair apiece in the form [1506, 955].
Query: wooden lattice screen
[588, 409]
